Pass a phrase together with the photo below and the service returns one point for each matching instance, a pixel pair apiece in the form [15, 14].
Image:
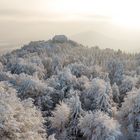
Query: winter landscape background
[69, 70]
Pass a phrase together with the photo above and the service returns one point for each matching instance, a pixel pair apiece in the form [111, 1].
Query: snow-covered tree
[116, 93]
[19, 120]
[1, 67]
[44, 102]
[47, 62]
[63, 83]
[75, 113]
[99, 126]
[78, 70]
[29, 86]
[6, 76]
[96, 71]
[130, 115]
[116, 70]
[98, 96]
[52, 137]
[27, 66]
[126, 86]
[60, 116]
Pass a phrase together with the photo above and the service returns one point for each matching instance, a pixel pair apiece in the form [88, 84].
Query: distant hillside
[92, 38]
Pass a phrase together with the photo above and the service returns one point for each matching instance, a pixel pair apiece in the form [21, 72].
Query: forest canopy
[61, 90]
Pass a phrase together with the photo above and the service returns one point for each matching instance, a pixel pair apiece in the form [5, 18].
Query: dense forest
[61, 90]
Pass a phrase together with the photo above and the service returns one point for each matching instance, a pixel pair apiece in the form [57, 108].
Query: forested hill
[61, 90]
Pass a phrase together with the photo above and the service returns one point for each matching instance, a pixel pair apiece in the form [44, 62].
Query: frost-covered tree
[116, 93]
[83, 82]
[130, 115]
[28, 66]
[78, 70]
[47, 62]
[45, 102]
[76, 112]
[29, 86]
[6, 76]
[98, 96]
[99, 126]
[96, 71]
[19, 120]
[126, 86]
[56, 65]
[116, 70]
[1, 67]
[63, 83]
[138, 82]
[52, 137]
[60, 117]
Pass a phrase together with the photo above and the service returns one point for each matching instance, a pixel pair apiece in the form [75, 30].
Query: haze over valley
[102, 34]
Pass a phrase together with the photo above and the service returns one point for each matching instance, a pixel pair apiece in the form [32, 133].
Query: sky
[54, 10]
[24, 20]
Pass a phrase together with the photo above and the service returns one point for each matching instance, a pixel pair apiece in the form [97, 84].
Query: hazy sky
[25, 20]
[54, 9]
[68, 9]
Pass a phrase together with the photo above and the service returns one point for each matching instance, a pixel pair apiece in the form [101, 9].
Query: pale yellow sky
[51, 9]
[25, 20]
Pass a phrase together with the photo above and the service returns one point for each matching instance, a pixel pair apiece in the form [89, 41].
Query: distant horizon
[10, 47]
[108, 24]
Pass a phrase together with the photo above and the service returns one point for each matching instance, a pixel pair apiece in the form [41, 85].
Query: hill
[93, 38]
[61, 90]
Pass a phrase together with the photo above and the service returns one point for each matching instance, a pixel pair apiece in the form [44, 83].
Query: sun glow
[126, 13]
[122, 12]
[80, 7]
[127, 21]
